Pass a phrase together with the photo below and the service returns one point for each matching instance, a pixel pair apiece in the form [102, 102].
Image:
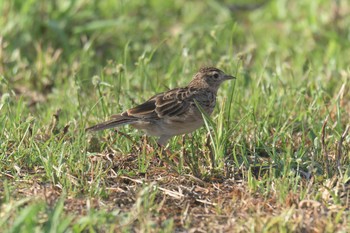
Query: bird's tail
[116, 121]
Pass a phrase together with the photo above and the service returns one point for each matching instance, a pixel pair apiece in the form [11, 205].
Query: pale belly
[171, 126]
[180, 127]
[168, 128]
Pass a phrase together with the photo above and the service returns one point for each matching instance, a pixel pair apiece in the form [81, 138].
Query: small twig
[206, 202]
[171, 193]
[340, 144]
[184, 214]
[324, 147]
[65, 129]
[92, 172]
[174, 194]
[8, 175]
[196, 179]
[309, 203]
[138, 181]
[54, 122]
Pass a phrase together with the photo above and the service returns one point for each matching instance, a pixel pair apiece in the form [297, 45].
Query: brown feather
[174, 102]
[117, 121]
[143, 110]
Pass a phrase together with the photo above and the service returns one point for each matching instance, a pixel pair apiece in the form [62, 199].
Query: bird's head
[209, 77]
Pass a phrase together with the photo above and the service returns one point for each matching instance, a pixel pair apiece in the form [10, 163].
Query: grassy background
[277, 155]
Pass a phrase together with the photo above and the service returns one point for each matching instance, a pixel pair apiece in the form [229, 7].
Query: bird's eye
[216, 75]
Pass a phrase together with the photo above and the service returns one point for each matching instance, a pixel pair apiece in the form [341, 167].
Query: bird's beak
[227, 77]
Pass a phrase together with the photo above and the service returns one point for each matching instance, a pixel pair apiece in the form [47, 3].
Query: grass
[273, 157]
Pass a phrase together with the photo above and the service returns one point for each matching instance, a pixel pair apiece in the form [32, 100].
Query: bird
[174, 112]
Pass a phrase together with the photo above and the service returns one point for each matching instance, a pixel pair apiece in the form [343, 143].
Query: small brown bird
[173, 112]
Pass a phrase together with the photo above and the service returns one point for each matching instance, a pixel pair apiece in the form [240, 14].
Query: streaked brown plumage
[173, 112]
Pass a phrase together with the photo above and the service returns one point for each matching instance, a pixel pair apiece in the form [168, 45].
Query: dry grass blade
[324, 147]
[171, 193]
[340, 145]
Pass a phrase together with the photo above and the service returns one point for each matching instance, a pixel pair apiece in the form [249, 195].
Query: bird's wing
[175, 102]
[171, 103]
[144, 110]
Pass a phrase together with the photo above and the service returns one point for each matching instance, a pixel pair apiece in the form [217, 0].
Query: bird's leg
[184, 152]
[183, 145]
[158, 158]
[160, 155]
[163, 158]
[164, 152]
[187, 157]
[162, 141]
[146, 146]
